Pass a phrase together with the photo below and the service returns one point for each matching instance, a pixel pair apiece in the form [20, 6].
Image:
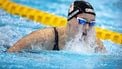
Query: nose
[86, 27]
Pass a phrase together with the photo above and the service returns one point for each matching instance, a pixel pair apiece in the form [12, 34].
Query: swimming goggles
[84, 21]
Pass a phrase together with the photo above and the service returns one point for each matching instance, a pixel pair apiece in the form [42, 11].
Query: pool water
[58, 60]
[13, 28]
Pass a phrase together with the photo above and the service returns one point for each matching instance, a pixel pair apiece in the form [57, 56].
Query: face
[89, 21]
[74, 27]
[76, 30]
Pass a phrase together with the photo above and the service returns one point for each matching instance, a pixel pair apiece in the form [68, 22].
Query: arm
[39, 35]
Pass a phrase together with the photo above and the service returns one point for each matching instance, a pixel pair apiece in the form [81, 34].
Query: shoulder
[46, 34]
[42, 31]
[61, 30]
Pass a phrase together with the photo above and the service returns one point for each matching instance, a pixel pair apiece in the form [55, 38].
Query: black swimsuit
[56, 40]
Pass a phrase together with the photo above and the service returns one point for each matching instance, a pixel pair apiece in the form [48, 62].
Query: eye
[92, 23]
[81, 20]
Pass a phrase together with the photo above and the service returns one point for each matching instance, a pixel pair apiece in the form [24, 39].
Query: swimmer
[81, 21]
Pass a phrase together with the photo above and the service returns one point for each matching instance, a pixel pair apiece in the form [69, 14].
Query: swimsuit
[56, 40]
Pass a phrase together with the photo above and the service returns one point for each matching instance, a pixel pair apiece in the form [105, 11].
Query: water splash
[82, 43]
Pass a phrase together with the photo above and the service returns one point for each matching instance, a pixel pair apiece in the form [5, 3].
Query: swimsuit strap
[56, 40]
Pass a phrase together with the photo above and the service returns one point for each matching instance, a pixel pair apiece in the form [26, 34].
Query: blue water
[13, 28]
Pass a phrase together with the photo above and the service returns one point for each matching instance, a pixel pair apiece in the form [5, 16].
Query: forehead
[87, 16]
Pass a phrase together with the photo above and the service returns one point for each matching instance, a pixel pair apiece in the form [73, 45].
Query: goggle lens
[84, 21]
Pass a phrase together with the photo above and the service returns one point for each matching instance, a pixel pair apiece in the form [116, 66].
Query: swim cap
[80, 7]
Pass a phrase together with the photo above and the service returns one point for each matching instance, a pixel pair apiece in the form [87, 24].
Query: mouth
[84, 34]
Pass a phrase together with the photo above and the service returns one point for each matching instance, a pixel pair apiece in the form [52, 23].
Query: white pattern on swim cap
[89, 10]
[71, 7]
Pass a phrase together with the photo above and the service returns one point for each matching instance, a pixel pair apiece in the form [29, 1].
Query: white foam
[82, 44]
